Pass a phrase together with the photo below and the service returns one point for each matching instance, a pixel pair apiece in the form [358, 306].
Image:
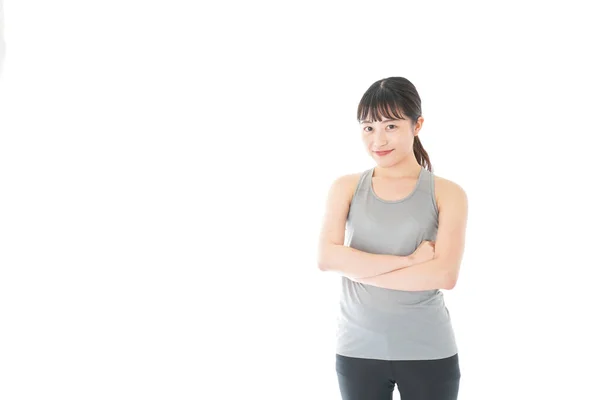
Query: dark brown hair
[394, 98]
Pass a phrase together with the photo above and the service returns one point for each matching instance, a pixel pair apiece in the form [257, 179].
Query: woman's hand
[424, 252]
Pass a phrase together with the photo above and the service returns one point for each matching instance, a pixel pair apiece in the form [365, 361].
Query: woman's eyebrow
[370, 122]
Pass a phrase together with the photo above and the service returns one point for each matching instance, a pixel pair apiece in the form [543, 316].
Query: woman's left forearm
[428, 275]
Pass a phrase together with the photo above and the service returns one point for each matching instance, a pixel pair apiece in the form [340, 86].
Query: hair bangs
[378, 105]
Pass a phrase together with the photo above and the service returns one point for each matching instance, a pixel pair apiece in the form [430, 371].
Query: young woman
[395, 233]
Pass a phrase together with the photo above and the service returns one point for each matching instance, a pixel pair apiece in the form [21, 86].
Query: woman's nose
[380, 139]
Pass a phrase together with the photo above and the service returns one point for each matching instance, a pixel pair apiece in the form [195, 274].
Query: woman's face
[390, 141]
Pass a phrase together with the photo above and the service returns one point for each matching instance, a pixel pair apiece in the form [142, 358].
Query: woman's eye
[368, 127]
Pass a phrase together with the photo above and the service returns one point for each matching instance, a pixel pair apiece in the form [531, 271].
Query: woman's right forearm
[354, 263]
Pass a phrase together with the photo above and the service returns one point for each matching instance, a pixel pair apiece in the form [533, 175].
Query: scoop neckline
[394, 201]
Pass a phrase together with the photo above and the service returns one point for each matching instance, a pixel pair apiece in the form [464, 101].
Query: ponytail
[421, 155]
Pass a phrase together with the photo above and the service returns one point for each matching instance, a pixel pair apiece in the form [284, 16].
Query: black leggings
[369, 379]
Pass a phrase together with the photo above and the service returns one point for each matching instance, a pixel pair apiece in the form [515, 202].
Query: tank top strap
[361, 190]
[425, 181]
[426, 189]
[364, 183]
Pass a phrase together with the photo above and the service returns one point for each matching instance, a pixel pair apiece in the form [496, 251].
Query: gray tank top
[387, 324]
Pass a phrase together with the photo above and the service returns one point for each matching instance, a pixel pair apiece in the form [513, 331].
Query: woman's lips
[383, 153]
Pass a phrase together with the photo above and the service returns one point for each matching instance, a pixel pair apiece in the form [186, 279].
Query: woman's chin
[387, 162]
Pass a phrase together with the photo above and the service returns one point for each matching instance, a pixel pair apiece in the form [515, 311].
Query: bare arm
[442, 271]
[428, 275]
[333, 255]
[354, 263]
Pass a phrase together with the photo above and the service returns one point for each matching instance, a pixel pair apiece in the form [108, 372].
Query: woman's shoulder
[348, 182]
[447, 190]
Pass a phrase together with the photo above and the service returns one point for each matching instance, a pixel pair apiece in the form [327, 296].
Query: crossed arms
[390, 271]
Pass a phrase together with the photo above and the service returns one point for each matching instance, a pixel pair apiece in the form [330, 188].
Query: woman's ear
[419, 125]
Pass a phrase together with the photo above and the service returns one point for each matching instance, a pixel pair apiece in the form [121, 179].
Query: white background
[164, 166]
